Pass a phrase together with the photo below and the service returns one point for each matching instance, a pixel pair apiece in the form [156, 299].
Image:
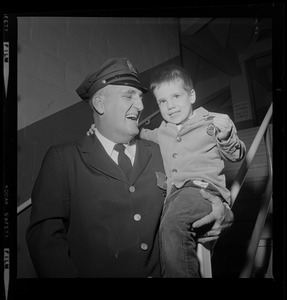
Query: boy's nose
[170, 104]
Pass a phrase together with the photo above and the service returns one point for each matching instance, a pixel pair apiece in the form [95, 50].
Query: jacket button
[174, 170]
[132, 189]
[178, 138]
[174, 155]
[137, 217]
[144, 246]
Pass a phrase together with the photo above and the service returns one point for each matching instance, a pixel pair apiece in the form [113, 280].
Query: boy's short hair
[169, 73]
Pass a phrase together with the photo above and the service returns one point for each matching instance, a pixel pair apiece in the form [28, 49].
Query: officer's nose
[138, 104]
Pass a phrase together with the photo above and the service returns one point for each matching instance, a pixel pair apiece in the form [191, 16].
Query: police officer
[92, 216]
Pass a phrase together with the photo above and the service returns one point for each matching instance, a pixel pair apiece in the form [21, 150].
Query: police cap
[115, 71]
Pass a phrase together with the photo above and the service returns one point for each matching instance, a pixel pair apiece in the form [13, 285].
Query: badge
[210, 129]
[131, 67]
[161, 180]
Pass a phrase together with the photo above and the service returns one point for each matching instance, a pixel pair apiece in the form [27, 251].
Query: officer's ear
[97, 103]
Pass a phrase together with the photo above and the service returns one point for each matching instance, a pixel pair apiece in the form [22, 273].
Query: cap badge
[131, 67]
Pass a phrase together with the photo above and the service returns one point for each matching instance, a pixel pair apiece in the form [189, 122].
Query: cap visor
[131, 83]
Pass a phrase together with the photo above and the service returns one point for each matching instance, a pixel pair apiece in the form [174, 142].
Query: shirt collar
[109, 145]
[189, 117]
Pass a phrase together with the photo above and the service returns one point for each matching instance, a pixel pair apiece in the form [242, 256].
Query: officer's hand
[91, 130]
[223, 124]
[221, 217]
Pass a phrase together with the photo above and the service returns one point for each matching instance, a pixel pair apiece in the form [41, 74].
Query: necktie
[123, 160]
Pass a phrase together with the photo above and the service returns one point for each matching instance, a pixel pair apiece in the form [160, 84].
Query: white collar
[109, 145]
[189, 117]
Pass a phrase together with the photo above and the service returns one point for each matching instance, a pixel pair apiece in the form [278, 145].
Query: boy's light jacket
[192, 154]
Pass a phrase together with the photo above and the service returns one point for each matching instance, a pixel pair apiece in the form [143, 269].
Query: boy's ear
[98, 104]
[192, 96]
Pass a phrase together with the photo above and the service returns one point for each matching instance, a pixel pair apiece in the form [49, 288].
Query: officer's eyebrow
[133, 92]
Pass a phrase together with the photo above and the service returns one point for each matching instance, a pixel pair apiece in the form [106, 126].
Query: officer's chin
[133, 129]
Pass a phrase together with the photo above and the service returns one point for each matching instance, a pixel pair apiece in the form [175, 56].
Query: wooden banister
[261, 218]
[147, 119]
[203, 251]
[240, 176]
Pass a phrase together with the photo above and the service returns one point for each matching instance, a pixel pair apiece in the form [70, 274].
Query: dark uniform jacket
[89, 220]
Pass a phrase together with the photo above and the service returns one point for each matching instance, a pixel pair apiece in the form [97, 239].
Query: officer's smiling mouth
[133, 117]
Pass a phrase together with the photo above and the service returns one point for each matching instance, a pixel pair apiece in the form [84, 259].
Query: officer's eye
[132, 95]
[127, 96]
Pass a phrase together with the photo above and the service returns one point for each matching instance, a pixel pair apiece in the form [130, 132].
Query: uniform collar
[94, 154]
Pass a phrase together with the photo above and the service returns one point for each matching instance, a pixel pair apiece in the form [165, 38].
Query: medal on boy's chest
[210, 128]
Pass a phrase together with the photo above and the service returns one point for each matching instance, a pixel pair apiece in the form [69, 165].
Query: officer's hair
[170, 73]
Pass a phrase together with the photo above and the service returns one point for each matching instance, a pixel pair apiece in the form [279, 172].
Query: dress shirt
[108, 145]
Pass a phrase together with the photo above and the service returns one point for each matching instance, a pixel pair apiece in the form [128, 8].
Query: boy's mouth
[174, 113]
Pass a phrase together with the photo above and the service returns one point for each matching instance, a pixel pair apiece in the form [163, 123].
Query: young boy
[193, 144]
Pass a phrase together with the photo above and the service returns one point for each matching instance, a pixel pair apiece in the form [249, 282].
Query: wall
[54, 55]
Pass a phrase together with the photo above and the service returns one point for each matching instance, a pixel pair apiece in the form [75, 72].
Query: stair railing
[266, 201]
[240, 176]
[203, 250]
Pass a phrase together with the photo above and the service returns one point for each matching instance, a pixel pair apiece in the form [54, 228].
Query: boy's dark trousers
[178, 240]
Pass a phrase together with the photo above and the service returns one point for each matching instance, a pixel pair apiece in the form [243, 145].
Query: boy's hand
[223, 125]
[91, 130]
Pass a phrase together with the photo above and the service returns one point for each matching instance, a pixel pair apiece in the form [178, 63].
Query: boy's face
[174, 102]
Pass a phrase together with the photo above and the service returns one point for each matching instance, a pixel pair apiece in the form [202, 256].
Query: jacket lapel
[143, 155]
[94, 155]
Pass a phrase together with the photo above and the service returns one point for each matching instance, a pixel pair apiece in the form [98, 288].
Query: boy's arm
[230, 146]
[232, 149]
